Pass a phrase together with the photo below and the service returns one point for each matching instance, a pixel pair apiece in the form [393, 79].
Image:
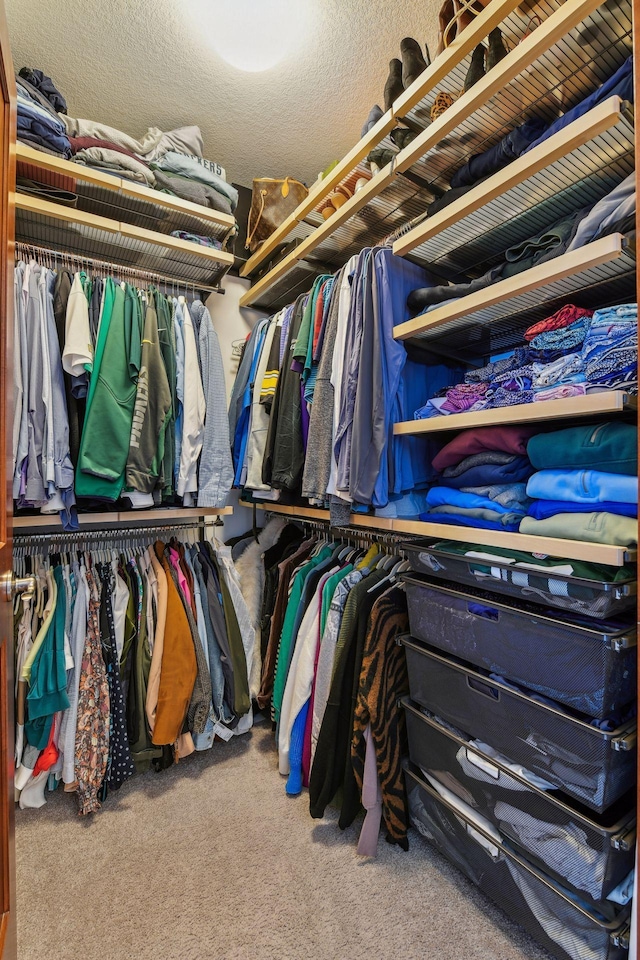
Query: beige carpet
[212, 861]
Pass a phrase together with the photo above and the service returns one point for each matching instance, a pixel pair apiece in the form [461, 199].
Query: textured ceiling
[140, 63]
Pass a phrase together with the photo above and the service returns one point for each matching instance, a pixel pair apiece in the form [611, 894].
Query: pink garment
[306, 743]
[174, 557]
[464, 396]
[561, 391]
[371, 801]
[564, 317]
[479, 439]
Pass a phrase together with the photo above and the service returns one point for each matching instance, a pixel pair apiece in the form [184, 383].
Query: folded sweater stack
[483, 479]
[585, 487]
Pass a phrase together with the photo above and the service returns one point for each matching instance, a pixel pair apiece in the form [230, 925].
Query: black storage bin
[587, 665]
[594, 766]
[590, 853]
[591, 598]
[570, 931]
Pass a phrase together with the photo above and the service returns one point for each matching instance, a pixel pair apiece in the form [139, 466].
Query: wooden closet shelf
[82, 234]
[591, 405]
[119, 199]
[127, 518]
[448, 69]
[551, 546]
[542, 71]
[318, 513]
[494, 319]
[575, 167]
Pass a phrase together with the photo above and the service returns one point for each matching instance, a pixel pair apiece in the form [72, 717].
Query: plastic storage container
[592, 598]
[569, 930]
[590, 853]
[592, 765]
[585, 664]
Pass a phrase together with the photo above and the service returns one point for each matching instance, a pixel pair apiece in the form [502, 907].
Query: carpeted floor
[212, 861]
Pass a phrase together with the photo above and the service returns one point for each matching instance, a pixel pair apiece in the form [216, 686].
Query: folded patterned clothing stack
[610, 349]
[483, 481]
[548, 367]
[585, 487]
[38, 123]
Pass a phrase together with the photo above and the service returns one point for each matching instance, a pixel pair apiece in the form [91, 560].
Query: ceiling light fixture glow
[252, 35]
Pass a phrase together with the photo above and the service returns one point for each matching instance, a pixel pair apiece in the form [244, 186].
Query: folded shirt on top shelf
[195, 168]
[592, 527]
[583, 486]
[116, 162]
[505, 439]
[514, 470]
[192, 190]
[611, 447]
[38, 125]
[610, 349]
[561, 391]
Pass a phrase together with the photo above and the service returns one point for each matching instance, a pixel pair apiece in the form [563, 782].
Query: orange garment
[179, 669]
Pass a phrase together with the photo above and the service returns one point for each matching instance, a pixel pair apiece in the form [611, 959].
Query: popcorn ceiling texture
[140, 63]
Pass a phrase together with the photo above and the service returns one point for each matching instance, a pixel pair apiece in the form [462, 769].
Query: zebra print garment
[383, 680]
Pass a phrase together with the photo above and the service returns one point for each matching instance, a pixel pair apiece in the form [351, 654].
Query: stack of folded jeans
[585, 487]
[610, 349]
[39, 126]
[483, 479]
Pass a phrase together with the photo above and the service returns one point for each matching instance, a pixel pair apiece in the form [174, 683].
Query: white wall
[233, 323]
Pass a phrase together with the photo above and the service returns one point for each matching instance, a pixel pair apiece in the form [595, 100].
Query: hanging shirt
[194, 410]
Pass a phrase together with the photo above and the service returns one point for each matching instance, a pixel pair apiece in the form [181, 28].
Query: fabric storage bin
[587, 852]
[587, 665]
[592, 765]
[570, 930]
[592, 598]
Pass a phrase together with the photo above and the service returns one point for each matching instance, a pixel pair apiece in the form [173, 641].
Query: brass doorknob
[11, 586]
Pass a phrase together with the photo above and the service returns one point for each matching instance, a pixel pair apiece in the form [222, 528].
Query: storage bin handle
[482, 764]
[484, 688]
[624, 841]
[482, 841]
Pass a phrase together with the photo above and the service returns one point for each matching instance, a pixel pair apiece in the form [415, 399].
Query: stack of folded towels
[483, 482]
[574, 352]
[586, 486]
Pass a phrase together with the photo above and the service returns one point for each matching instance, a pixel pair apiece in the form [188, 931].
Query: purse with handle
[271, 203]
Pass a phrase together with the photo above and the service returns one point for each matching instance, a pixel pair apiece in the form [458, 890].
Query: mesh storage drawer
[593, 598]
[589, 853]
[588, 665]
[569, 930]
[594, 766]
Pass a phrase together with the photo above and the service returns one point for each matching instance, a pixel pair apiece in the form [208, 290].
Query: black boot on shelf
[393, 87]
[413, 63]
[476, 68]
[497, 50]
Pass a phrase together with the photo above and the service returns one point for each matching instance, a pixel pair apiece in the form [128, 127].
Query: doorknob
[10, 586]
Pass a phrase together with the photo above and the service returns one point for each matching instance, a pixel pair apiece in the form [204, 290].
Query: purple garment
[464, 396]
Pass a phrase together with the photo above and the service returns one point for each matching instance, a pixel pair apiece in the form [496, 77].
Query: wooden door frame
[8, 946]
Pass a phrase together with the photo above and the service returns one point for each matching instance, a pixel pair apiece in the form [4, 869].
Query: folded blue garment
[512, 145]
[462, 521]
[619, 84]
[583, 486]
[438, 496]
[517, 471]
[541, 509]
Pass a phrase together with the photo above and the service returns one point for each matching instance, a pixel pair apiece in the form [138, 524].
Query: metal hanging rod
[75, 261]
[119, 533]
